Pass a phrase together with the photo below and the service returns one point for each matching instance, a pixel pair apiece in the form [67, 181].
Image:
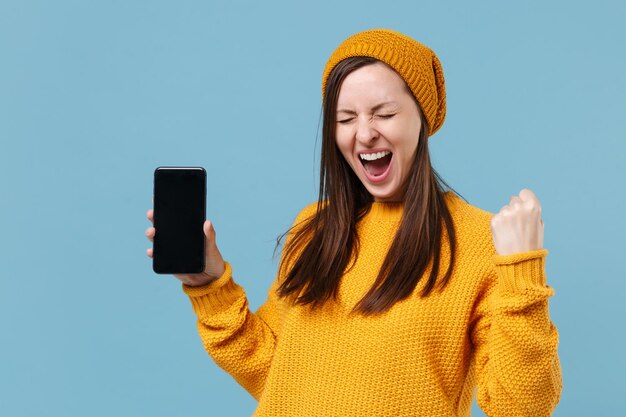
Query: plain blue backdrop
[95, 95]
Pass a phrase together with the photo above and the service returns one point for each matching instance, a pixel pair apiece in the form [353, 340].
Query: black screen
[179, 214]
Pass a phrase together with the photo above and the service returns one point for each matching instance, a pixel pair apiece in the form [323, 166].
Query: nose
[365, 131]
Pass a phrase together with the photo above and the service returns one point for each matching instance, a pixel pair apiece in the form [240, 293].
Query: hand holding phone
[185, 245]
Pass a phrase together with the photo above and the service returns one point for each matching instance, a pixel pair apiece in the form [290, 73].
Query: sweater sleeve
[240, 342]
[515, 341]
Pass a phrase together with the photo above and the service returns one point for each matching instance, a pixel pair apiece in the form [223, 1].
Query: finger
[149, 252]
[514, 199]
[150, 215]
[527, 195]
[150, 232]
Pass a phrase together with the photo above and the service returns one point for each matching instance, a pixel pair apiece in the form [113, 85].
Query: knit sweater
[488, 332]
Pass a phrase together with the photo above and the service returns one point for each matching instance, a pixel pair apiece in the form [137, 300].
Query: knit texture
[488, 329]
[416, 63]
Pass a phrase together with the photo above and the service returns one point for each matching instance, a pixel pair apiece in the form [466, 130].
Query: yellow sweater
[489, 329]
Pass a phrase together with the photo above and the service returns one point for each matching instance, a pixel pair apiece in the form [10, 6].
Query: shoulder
[472, 223]
[309, 209]
[465, 211]
[475, 248]
[306, 212]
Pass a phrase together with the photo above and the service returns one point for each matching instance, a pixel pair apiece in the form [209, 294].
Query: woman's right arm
[239, 341]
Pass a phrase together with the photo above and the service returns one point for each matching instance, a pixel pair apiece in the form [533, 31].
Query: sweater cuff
[520, 271]
[215, 296]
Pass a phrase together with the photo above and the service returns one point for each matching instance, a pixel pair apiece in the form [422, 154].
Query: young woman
[393, 296]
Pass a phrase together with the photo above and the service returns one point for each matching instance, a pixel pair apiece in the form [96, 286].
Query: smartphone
[179, 215]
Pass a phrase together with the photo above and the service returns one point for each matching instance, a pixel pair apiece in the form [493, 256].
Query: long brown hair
[326, 241]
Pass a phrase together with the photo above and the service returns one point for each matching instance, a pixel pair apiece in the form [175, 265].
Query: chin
[383, 197]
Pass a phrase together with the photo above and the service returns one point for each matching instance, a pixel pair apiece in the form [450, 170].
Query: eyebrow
[376, 107]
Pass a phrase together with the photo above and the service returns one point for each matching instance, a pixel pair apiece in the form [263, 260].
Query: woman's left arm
[518, 368]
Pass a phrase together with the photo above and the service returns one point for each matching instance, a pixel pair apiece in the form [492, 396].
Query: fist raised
[518, 226]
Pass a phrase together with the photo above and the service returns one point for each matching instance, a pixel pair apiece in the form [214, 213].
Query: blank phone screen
[179, 215]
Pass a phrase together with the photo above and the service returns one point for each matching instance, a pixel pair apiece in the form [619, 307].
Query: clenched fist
[518, 226]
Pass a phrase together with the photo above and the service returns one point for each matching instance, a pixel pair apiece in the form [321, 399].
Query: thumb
[209, 231]
[214, 263]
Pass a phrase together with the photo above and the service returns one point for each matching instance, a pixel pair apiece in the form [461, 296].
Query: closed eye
[382, 116]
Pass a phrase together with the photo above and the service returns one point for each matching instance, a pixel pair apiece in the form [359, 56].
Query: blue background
[95, 95]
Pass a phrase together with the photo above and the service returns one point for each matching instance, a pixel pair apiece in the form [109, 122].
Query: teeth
[374, 156]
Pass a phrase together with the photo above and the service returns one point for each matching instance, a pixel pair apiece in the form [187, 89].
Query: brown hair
[328, 239]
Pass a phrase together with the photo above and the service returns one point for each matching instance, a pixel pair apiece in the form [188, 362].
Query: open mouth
[377, 167]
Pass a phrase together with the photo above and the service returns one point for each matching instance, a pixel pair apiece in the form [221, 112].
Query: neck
[386, 209]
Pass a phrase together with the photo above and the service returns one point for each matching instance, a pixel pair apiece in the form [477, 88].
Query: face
[377, 116]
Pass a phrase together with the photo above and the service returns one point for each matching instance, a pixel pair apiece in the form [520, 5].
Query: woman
[393, 297]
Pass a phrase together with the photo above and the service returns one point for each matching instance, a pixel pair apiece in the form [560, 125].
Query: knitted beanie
[415, 63]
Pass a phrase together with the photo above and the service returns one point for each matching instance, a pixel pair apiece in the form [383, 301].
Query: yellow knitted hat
[415, 63]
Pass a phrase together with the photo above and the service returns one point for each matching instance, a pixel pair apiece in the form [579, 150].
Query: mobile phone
[179, 215]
